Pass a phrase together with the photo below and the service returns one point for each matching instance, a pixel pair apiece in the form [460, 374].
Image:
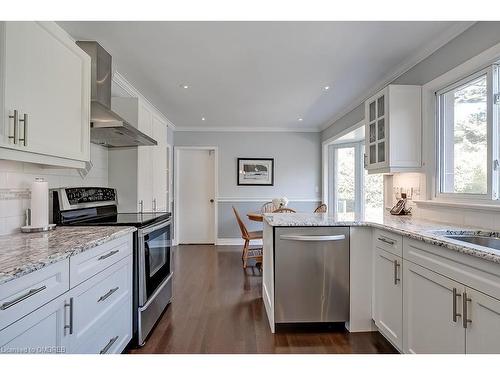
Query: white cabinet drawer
[97, 299]
[109, 336]
[388, 241]
[91, 262]
[21, 296]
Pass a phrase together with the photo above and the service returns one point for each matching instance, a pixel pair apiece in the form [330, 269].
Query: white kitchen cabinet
[483, 330]
[431, 323]
[94, 316]
[159, 158]
[46, 103]
[388, 296]
[40, 332]
[140, 174]
[393, 130]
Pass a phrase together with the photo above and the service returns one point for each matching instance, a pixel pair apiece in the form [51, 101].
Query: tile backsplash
[16, 179]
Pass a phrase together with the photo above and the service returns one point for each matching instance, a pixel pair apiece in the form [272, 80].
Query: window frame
[493, 177]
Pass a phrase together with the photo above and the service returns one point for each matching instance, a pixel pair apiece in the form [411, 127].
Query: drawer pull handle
[455, 313]
[108, 345]
[30, 293]
[104, 297]
[111, 253]
[389, 242]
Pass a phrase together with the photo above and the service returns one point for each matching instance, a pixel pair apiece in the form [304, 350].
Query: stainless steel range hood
[106, 127]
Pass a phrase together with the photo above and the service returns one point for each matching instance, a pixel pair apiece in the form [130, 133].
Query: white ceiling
[261, 74]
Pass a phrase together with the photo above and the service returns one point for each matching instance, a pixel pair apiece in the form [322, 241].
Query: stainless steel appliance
[311, 268]
[108, 128]
[153, 266]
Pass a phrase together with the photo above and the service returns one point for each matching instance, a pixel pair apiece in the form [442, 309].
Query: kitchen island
[392, 256]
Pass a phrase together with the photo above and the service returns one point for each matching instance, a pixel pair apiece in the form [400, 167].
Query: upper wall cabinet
[45, 98]
[393, 130]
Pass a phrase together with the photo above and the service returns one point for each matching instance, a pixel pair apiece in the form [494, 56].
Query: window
[352, 192]
[468, 143]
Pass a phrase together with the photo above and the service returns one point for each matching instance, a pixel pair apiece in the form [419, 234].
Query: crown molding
[409, 63]
[246, 129]
[121, 81]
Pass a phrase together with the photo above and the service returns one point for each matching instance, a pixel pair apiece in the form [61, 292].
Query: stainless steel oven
[155, 270]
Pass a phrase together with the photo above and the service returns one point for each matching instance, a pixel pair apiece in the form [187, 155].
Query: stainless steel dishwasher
[311, 267]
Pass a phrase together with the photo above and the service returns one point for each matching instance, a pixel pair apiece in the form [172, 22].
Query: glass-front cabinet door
[376, 131]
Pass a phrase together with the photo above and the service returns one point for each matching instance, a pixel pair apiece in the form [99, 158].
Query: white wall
[297, 163]
[16, 179]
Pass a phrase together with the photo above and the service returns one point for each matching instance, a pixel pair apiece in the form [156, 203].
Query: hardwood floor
[217, 308]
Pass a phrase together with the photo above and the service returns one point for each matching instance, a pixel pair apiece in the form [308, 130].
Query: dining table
[255, 216]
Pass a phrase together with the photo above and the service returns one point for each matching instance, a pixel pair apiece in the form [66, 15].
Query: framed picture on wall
[255, 172]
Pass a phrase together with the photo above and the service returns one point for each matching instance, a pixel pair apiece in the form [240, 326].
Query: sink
[491, 242]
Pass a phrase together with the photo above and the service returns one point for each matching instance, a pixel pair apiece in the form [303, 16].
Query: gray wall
[297, 163]
[476, 39]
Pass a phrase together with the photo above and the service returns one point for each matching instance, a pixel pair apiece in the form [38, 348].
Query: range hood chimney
[106, 127]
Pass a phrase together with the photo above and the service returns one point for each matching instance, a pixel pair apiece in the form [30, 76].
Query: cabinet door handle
[111, 253]
[389, 242]
[15, 117]
[141, 203]
[455, 313]
[396, 272]
[70, 325]
[108, 345]
[29, 294]
[154, 204]
[24, 139]
[105, 296]
[465, 300]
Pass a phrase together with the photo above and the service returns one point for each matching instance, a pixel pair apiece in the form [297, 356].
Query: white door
[47, 78]
[388, 314]
[428, 312]
[483, 331]
[41, 332]
[196, 184]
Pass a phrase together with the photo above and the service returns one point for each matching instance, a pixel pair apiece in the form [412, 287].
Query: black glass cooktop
[129, 219]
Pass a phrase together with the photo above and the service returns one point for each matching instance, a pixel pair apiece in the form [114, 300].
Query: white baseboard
[235, 242]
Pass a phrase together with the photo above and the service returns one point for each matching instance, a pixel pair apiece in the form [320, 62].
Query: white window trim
[429, 118]
[488, 196]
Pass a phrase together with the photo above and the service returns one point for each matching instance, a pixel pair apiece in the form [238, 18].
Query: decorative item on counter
[280, 202]
[400, 207]
[37, 218]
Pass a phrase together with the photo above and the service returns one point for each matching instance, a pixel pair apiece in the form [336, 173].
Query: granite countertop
[424, 230]
[22, 253]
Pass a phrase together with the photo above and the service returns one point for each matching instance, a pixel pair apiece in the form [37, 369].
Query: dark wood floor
[217, 308]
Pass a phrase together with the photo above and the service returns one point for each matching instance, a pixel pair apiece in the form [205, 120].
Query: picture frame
[255, 171]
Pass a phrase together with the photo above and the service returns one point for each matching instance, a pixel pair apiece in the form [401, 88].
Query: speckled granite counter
[423, 230]
[22, 253]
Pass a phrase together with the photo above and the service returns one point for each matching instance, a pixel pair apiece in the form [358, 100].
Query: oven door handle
[144, 231]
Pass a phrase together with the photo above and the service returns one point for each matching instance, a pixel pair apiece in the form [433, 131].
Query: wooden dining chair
[267, 207]
[248, 253]
[284, 210]
[322, 208]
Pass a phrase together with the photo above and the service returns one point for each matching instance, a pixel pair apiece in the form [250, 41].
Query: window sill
[472, 206]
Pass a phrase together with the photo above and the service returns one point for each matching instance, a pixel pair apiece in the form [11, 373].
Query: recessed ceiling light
[326, 88]
[300, 119]
[184, 86]
[203, 119]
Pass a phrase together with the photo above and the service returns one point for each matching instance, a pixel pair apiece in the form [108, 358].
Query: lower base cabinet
[428, 313]
[441, 315]
[41, 332]
[94, 316]
[388, 306]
